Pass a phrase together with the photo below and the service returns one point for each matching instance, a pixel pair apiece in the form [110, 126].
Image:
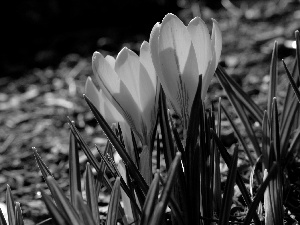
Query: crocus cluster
[174, 57]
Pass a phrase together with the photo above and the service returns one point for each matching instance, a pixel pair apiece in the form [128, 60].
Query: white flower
[130, 83]
[180, 54]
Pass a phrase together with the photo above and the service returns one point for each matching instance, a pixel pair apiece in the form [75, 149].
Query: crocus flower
[180, 54]
[130, 83]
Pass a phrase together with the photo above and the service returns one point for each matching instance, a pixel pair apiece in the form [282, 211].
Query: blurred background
[39, 33]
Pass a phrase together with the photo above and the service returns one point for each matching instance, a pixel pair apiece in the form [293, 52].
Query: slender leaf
[19, 217]
[74, 168]
[113, 207]
[297, 49]
[62, 202]
[275, 131]
[58, 217]
[265, 141]
[10, 203]
[146, 164]
[44, 169]
[91, 194]
[273, 78]
[229, 189]
[292, 82]
[151, 200]
[85, 211]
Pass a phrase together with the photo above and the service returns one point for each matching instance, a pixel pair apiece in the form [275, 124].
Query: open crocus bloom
[130, 84]
[180, 54]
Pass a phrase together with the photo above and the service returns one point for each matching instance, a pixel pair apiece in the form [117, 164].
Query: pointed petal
[178, 62]
[146, 60]
[208, 75]
[111, 60]
[106, 76]
[149, 108]
[216, 43]
[216, 40]
[128, 68]
[104, 106]
[202, 43]
[92, 93]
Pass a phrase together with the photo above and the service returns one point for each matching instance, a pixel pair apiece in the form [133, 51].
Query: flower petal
[116, 91]
[111, 60]
[92, 93]
[202, 43]
[150, 111]
[216, 40]
[128, 69]
[216, 43]
[178, 62]
[146, 60]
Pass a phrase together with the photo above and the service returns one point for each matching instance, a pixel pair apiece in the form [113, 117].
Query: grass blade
[74, 169]
[62, 202]
[19, 217]
[10, 206]
[91, 196]
[273, 78]
[57, 216]
[151, 200]
[229, 190]
[44, 169]
[265, 141]
[85, 212]
[275, 131]
[292, 82]
[113, 208]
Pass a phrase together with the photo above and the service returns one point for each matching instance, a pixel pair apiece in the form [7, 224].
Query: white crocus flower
[130, 83]
[180, 54]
